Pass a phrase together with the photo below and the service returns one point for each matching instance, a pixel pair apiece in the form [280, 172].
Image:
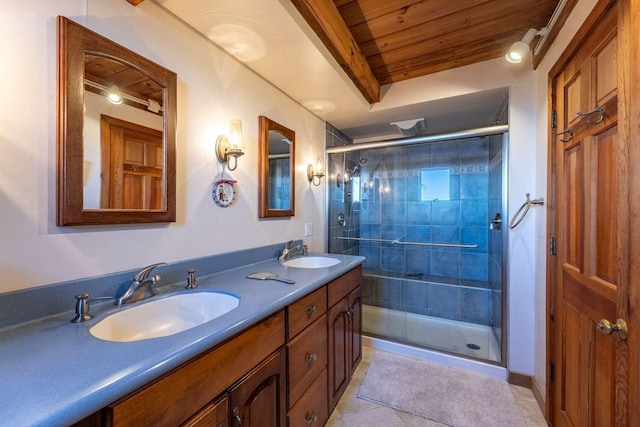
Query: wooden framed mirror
[276, 164]
[116, 157]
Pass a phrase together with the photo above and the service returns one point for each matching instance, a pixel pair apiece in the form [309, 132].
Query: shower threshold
[460, 338]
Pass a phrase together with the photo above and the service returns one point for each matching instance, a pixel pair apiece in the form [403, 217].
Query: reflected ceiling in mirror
[116, 132]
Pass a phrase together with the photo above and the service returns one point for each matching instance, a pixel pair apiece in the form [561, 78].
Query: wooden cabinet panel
[355, 329]
[345, 336]
[339, 364]
[311, 409]
[215, 414]
[307, 356]
[258, 400]
[175, 397]
[340, 287]
[306, 310]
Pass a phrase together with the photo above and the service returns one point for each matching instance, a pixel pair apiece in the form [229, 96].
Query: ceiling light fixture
[113, 93]
[521, 48]
[410, 127]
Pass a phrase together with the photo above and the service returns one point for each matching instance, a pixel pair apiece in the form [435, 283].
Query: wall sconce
[342, 179]
[315, 172]
[230, 146]
[521, 48]
[367, 187]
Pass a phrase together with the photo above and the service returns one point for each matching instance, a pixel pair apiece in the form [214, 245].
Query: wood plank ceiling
[403, 39]
[379, 42]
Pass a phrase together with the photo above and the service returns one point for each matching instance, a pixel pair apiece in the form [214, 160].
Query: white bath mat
[446, 395]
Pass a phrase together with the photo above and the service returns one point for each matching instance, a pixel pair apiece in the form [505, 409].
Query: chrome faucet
[288, 251]
[141, 287]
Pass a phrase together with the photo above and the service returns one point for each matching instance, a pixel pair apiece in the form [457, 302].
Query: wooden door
[132, 165]
[259, 399]
[593, 376]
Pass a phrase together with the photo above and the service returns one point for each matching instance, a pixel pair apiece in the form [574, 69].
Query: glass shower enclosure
[428, 218]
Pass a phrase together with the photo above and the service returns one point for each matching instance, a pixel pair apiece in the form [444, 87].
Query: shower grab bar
[526, 205]
[398, 242]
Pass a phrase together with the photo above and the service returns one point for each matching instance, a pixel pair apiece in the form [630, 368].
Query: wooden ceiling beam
[325, 20]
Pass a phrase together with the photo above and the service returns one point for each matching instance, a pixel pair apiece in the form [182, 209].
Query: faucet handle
[144, 273]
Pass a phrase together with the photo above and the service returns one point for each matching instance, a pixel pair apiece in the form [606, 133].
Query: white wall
[212, 89]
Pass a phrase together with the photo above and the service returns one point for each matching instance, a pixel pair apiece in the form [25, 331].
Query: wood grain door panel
[589, 186]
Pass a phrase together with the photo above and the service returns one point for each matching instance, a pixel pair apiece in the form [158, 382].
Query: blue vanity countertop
[55, 373]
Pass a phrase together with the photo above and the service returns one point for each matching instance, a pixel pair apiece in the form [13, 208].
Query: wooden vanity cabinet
[296, 365]
[195, 392]
[215, 414]
[259, 399]
[344, 332]
[307, 360]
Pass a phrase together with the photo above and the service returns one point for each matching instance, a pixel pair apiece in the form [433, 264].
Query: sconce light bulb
[231, 147]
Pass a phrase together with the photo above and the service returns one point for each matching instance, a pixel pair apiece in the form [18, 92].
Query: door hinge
[552, 372]
[554, 119]
[552, 246]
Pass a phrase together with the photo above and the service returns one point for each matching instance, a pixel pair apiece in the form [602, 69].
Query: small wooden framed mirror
[116, 133]
[276, 164]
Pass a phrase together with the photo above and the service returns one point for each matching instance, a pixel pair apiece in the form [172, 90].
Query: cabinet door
[339, 361]
[215, 414]
[258, 400]
[355, 329]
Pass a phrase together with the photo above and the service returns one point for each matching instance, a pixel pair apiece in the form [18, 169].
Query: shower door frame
[502, 130]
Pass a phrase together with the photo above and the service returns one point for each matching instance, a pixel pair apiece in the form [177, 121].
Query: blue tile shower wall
[386, 199]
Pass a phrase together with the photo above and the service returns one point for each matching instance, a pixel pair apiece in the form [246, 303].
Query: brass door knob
[608, 328]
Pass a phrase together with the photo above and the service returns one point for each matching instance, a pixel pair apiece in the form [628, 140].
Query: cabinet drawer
[307, 309]
[311, 409]
[307, 355]
[344, 284]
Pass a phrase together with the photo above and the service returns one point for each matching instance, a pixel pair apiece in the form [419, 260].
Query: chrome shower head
[362, 161]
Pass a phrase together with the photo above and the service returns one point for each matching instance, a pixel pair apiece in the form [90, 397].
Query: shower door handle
[496, 222]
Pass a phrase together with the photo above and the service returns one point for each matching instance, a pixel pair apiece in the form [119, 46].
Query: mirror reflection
[116, 133]
[277, 160]
[123, 141]
[279, 171]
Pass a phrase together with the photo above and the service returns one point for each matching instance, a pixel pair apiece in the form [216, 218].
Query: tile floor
[354, 412]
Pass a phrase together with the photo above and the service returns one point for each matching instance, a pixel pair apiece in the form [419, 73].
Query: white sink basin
[164, 316]
[311, 262]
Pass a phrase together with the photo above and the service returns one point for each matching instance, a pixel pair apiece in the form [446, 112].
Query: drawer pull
[311, 309]
[313, 418]
[312, 357]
